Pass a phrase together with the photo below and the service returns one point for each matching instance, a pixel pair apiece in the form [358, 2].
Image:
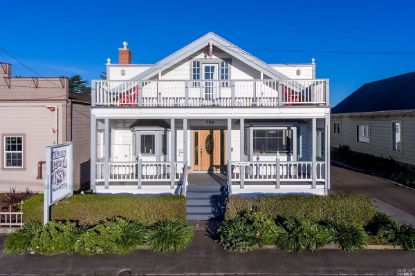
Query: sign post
[59, 178]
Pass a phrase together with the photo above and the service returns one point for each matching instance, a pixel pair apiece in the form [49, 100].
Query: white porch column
[313, 152]
[185, 143]
[93, 162]
[229, 153]
[107, 152]
[327, 150]
[172, 152]
[242, 150]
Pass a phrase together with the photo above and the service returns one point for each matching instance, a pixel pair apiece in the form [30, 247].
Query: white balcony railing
[235, 93]
[289, 171]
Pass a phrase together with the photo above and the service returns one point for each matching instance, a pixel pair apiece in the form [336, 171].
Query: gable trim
[199, 44]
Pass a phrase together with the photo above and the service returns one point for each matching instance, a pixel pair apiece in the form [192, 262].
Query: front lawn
[90, 209]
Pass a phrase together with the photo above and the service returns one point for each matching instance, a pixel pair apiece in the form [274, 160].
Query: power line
[27, 67]
[336, 52]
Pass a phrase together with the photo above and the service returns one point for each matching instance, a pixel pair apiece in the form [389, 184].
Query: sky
[353, 42]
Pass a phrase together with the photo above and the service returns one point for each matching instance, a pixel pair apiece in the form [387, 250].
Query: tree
[78, 85]
[103, 75]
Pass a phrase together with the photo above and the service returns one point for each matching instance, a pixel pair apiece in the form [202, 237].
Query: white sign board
[58, 182]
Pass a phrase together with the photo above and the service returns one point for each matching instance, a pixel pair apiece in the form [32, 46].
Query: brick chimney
[124, 54]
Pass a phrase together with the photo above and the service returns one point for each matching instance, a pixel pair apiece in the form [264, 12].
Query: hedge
[89, 209]
[335, 208]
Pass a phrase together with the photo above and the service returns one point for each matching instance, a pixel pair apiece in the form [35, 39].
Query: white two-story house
[210, 107]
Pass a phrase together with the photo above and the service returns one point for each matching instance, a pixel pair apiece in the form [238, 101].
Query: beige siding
[80, 127]
[36, 122]
[380, 129]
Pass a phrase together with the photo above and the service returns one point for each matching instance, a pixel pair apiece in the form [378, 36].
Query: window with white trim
[148, 145]
[337, 128]
[363, 135]
[196, 73]
[13, 151]
[396, 136]
[272, 141]
[224, 73]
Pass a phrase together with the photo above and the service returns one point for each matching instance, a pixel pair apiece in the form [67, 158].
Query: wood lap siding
[81, 143]
[380, 130]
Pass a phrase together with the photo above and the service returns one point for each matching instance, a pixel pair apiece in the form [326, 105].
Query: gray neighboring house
[35, 113]
[378, 119]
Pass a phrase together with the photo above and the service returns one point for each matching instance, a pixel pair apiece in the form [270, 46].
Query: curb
[9, 230]
[335, 247]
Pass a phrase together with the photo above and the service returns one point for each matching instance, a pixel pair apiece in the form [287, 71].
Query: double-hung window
[337, 128]
[396, 136]
[13, 151]
[224, 73]
[148, 145]
[363, 135]
[196, 73]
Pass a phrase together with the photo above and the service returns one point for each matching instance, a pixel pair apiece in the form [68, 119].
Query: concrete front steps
[205, 196]
[198, 201]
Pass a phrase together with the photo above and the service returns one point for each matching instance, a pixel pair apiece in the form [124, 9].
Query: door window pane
[196, 149]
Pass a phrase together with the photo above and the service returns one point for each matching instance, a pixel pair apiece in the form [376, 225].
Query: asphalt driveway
[348, 181]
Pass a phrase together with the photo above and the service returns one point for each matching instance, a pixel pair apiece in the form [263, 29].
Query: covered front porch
[156, 156]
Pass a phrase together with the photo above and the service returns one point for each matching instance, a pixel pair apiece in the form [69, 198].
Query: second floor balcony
[210, 93]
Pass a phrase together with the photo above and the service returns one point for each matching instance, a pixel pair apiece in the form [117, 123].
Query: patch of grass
[90, 209]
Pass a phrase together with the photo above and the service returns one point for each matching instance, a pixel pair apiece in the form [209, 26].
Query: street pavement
[205, 257]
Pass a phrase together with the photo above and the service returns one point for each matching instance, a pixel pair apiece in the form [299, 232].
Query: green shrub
[379, 228]
[302, 234]
[115, 235]
[55, 238]
[266, 231]
[350, 236]
[336, 208]
[90, 209]
[20, 241]
[403, 235]
[169, 235]
[237, 235]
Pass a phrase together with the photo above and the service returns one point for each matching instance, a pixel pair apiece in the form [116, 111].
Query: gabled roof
[201, 43]
[395, 93]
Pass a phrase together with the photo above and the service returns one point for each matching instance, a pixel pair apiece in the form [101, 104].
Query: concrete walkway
[392, 199]
[205, 257]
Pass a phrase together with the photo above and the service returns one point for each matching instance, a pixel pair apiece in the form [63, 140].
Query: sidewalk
[205, 257]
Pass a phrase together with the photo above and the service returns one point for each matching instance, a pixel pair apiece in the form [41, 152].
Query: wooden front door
[207, 153]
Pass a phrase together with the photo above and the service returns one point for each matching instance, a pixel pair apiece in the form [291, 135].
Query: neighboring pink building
[35, 113]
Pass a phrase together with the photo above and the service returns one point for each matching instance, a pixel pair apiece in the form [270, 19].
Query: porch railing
[232, 93]
[288, 171]
[128, 171]
[11, 218]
